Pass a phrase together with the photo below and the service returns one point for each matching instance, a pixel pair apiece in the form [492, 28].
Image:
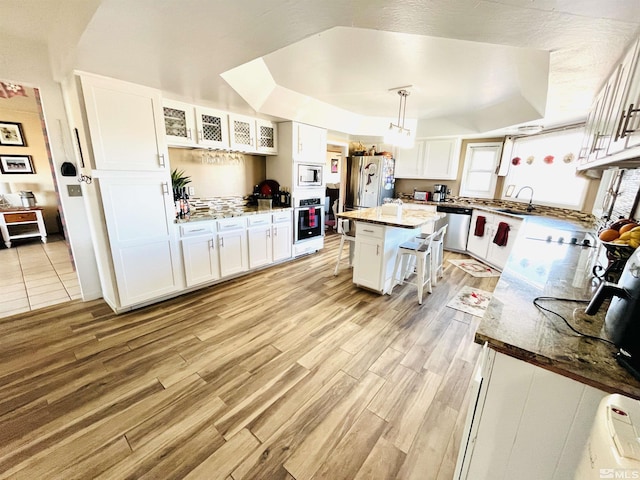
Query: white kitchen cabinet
[435, 159]
[212, 128]
[282, 235]
[232, 246]
[309, 143]
[512, 404]
[375, 254]
[126, 125]
[242, 133]
[200, 252]
[483, 247]
[267, 137]
[260, 240]
[139, 212]
[630, 128]
[179, 123]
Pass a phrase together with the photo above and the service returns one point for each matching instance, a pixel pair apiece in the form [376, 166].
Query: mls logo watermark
[623, 473]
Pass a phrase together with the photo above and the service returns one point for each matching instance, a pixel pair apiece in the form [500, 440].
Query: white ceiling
[529, 58]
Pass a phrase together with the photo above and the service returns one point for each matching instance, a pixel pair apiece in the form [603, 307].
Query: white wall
[26, 62]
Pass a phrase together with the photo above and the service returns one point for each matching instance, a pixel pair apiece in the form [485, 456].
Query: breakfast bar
[378, 235]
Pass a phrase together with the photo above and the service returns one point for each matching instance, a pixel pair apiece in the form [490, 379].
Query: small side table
[21, 222]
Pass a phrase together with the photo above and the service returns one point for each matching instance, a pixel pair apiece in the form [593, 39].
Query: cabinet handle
[197, 230]
[200, 135]
[165, 188]
[268, 233]
[368, 231]
[189, 134]
[275, 231]
[221, 242]
[630, 112]
[161, 160]
[619, 130]
[211, 244]
[377, 250]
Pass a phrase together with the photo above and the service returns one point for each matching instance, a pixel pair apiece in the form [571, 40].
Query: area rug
[470, 300]
[475, 268]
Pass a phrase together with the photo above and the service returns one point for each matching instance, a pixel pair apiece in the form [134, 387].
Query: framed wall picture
[16, 164]
[11, 134]
[334, 165]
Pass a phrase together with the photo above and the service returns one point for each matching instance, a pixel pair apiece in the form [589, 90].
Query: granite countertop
[514, 326]
[240, 211]
[410, 218]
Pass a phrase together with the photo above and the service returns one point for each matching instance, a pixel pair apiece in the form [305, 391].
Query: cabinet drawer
[231, 224]
[369, 230]
[256, 220]
[199, 228]
[20, 217]
[282, 217]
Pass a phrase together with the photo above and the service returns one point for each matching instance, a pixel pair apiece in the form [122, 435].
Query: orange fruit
[627, 227]
[608, 235]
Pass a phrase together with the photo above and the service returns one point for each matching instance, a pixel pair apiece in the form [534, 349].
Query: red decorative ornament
[515, 161]
[548, 159]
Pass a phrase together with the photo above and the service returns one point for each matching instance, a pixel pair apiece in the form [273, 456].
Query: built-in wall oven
[309, 175]
[309, 218]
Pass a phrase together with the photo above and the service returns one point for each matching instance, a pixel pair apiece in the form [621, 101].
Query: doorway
[337, 153]
[35, 274]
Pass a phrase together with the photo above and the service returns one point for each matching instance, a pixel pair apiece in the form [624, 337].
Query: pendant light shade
[398, 135]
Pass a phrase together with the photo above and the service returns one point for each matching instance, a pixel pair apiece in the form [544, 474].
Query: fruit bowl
[617, 251]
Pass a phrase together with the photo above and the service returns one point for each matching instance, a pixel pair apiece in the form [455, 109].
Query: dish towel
[502, 235]
[479, 231]
[312, 218]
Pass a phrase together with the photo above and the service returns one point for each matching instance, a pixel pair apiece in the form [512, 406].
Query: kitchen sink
[513, 212]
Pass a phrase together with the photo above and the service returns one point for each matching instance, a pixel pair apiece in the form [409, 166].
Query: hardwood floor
[288, 373]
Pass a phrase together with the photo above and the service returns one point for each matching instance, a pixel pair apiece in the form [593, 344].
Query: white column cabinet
[282, 235]
[232, 244]
[143, 246]
[260, 240]
[483, 247]
[126, 125]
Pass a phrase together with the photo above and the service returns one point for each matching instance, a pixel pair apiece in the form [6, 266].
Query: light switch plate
[74, 190]
[192, 191]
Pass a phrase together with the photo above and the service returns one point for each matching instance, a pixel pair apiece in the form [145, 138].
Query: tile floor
[35, 275]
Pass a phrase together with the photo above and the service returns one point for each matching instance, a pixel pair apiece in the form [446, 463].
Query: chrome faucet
[530, 207]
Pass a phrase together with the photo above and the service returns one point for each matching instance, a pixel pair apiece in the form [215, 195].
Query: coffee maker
[439, 192]
[622, 321]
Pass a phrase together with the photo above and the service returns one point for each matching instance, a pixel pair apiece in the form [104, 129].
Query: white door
[367, 268]
[233, 252]
[242, 133]
[126, 124]
[479, 245]
[260, 246]
[282, 241]
[200, 257]
[179, 123]
[212, 128]
[139, 214]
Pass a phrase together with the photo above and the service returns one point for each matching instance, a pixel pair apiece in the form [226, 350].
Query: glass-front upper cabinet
[267, 137]
[179, 123]
[243, 133]
[212, 128]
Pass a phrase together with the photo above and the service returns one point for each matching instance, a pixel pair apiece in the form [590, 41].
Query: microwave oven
[309, 175]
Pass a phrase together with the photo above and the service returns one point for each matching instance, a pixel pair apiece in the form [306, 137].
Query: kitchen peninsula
[538, 384]
[378, 235]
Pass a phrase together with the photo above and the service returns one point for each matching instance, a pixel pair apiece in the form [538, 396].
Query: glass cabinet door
[213, 128]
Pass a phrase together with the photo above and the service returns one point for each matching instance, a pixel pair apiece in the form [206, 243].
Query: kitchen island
[377, 237]
[537, 384]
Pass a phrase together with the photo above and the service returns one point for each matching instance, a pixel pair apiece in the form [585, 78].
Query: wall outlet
[192, 191]
[74, 190]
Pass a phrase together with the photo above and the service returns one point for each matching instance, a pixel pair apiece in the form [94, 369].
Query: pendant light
[398, 135]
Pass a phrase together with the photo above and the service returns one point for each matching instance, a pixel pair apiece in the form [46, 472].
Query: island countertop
[513, 325]
[410, 218]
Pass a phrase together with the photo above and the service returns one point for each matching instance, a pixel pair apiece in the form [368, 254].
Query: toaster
[423, 196]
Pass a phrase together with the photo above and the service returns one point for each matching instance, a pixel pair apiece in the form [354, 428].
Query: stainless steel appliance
[440, 192]
[369, 181]
[309, 218]
[459, 221]
[622, 321]
[27, 199]
[421, 196]
[309, 175]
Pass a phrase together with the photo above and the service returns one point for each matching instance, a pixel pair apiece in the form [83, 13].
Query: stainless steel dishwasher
[459, 221]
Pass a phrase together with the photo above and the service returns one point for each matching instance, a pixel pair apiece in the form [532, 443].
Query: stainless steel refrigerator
[369, 181]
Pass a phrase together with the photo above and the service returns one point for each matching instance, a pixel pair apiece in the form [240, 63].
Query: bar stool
[421, 253]
[342, 225]
[437, 252]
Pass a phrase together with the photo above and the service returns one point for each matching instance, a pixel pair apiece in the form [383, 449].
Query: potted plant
[179, 181]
